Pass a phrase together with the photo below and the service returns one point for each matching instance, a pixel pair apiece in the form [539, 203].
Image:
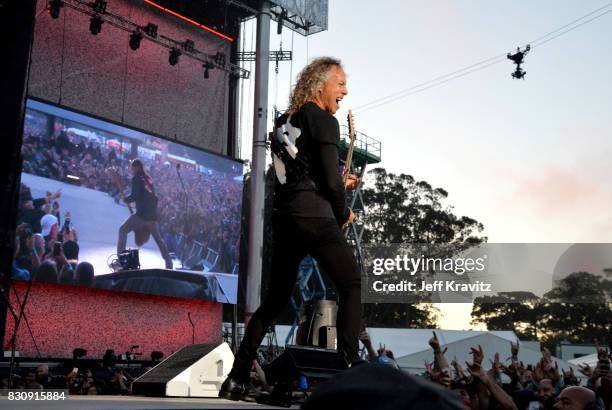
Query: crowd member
[47, 272]
[43, 378]
[84, 275]
[39, 238]
[576, 398]
[382, 356]
[66, 275]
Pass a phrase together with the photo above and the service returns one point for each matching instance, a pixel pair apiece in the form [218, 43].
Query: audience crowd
[507, 385]
[511, 384]
[81, 376]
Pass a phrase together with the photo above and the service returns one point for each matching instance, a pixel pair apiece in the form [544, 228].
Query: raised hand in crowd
[487, 384]
[514, 349]
[440, 362]
[569, 378]
[477, 354]
[364, 337]
[586, 369]
[50, 196]
[459, 373]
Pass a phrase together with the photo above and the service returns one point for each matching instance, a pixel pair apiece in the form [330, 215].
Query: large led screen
[92, 191]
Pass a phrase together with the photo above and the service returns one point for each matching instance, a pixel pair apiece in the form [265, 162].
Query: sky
[527, 158]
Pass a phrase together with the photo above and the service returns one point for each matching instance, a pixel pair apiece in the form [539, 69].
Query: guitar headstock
[351, 125]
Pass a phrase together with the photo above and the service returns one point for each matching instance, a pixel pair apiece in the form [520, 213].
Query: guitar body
[141, 236]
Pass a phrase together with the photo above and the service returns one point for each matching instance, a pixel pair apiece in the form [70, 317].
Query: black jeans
[294, 238]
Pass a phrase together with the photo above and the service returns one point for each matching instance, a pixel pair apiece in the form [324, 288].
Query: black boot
[233, 389]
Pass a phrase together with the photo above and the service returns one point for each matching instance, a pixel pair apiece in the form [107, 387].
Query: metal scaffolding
[366, 150]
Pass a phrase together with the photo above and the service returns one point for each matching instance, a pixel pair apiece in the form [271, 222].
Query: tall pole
[258, 184]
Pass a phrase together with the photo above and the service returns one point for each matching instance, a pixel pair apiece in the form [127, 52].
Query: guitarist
[143, 194]
[309, 212]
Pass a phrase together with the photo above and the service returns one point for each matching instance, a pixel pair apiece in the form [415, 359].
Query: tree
[578, 309]
[508, 311]
[402, 210]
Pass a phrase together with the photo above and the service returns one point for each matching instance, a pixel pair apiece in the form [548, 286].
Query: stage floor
[130, 403]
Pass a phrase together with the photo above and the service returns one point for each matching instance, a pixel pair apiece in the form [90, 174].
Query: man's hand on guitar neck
[352, 182]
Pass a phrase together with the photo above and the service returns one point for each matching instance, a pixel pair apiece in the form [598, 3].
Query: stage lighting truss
[279, 55]
[150, 33]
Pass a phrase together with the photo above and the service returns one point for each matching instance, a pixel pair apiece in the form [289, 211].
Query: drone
[517, 58]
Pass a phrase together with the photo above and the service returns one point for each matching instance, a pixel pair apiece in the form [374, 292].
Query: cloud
[556, 192]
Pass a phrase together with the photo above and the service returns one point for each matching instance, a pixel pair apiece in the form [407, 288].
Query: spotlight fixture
[55, 7]
[135, 38]
[188, 46]
[151, 30]
[220, 59]
[175, 53]
[99, 6]
[95, 24]
[207, 66]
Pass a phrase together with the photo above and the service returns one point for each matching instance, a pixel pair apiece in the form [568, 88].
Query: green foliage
[403, 210]
[578, 309]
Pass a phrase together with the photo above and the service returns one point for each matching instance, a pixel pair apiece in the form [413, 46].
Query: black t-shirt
[143, 194]
[305, 155]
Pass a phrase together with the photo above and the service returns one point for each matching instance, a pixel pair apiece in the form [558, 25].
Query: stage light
[99, 6]
[207, 67]
[95, 24]
[151, 30]
[129, 259]
[135, 38]
[188, 46]
[175, 53]
[220, 59]
[55, 7]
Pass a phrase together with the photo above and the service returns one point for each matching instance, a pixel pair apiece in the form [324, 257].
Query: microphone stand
[192, 328]
[185, 223]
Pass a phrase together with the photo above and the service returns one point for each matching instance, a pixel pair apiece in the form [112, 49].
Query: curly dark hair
[310, 79]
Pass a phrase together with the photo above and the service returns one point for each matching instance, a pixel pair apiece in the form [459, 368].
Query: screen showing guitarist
[143, 194]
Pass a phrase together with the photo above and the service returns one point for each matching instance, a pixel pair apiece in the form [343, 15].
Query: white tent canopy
[590, 359]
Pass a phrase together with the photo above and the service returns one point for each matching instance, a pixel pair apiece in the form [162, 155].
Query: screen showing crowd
[87, 185]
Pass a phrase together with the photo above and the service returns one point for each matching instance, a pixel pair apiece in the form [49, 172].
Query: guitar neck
[349, 154]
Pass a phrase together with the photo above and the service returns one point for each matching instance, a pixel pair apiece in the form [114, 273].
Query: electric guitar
[349, 154]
